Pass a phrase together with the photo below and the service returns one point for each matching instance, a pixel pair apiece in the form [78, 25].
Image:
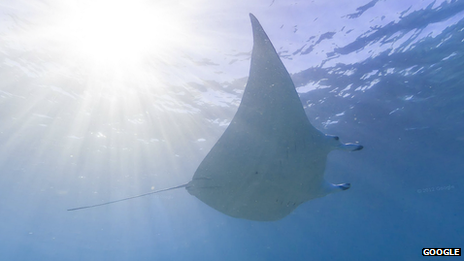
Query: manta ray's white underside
[270, 159]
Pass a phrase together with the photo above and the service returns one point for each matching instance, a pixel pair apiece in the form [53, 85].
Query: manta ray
[270, 159]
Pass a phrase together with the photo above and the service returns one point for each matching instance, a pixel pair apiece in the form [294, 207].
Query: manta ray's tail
[124, 199]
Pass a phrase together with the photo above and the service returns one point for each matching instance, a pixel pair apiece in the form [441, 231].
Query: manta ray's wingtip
[253, 19]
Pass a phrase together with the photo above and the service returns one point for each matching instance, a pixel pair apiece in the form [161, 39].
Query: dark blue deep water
[94, 107]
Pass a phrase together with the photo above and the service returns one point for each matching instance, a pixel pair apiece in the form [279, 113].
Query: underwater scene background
[101, 100]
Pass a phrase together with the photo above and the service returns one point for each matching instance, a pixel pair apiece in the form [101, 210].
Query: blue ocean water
[77, 128]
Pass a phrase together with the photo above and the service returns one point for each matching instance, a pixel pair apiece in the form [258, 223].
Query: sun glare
[120, 32]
